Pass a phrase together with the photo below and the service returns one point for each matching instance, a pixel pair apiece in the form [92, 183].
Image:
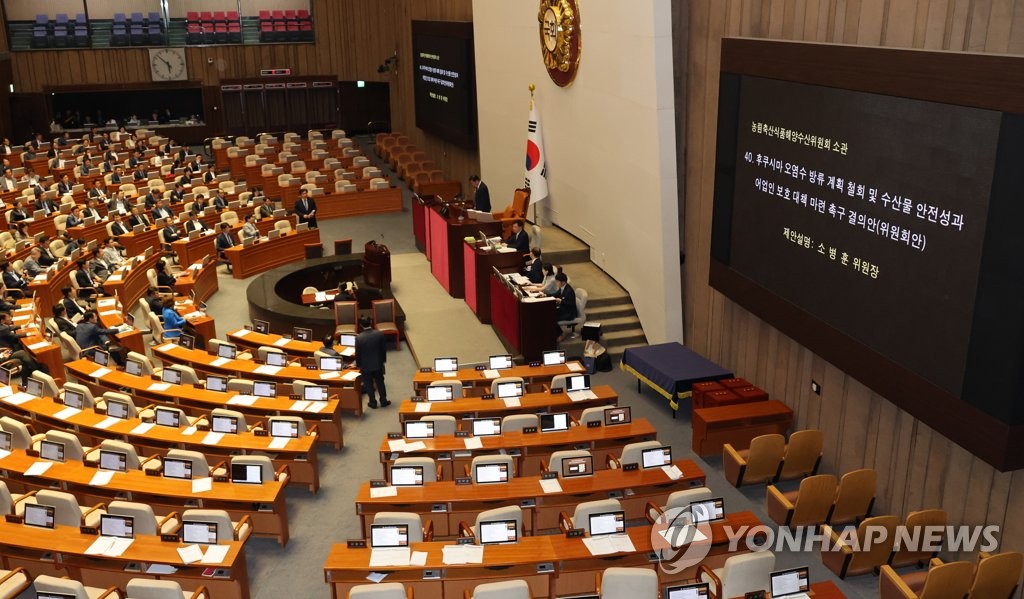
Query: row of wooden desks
[198, 277]
[446, 502]
[481, 379]
[293, 347]
[325, 415]
[190, 251]
[263, 256]
[530, 403]
[92, 427]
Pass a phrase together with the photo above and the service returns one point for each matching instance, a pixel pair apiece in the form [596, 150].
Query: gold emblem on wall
[560, 44]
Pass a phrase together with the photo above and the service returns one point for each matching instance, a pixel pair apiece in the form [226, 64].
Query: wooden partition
[252, 106]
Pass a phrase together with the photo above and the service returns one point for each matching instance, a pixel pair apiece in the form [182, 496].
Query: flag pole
[532, 88]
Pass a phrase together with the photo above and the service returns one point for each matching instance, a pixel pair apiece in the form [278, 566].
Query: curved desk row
[293, 347]
[530, 403]
[481, 379]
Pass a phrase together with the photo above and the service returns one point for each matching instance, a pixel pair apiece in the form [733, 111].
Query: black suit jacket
[567, 307]
[521, 242]
[194, 225]
[71, 307]
[303, 207]
[371, 351]
[171, 234]
[482, 200]
[65, 326]
[13, 281]
[139, 219]
[119, 229]
[224, 241]
[535, 271]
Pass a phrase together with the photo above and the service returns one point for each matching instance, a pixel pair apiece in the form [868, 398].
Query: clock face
[560, 45]
[167, 64]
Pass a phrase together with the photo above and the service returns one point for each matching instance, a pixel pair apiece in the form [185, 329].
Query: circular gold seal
[560, 44]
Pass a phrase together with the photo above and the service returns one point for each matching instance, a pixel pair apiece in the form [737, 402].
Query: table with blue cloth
[671, 369]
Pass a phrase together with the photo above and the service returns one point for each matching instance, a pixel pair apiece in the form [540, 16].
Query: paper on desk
[512, 402]
[376, 577]
[201, 485]
[320, 296]
[212, 438]
[106, 302]
[66, 413]
[605, 544]
[107, 422]
[4, 453]
[242, 400]
[100, 372]
[117, 547]
[190, 554]
[5, 391]
[39, 345]
[422, 407]
[143, 428]
[189, 431]
[278, 442]
[193, 314]
[114, 278]
[350, 375]
[159, 387]
[241, 333]
[267, 369]
[348, 352]
[40, 278]
[38, 469]
[474, 443]
[299, 406]
[396, 445]
[491, 374]
[167, 346]
[315, 407]
[281, 342]
[390, 557]
[550, 485]
[329, 375]
[161, 569]
[677, 536]
[449, 375]
[581, 395]
[418, 558]
[101, 478]
[506, 250]
[108, 313]
[672, 471]
[376, 492]
[215, 554]
[220, 361]
[100, 546]
[18, 398]
[416, 446]
[574, 366]
[462, 554]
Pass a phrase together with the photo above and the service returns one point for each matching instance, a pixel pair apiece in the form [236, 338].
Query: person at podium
[518, 238]
[482, 198]
[534, 269]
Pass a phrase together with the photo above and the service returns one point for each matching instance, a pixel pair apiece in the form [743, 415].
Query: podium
[376, 265]
[478, 264]
[527, 326]
[446, 233]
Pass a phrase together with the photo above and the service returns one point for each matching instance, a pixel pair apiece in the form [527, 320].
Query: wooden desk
[524, 327]
[41, 348]
[462, 503]
[349, 392]
[308, 299]
[131, 284]
[292, 347]
[190, 251]
[340, 205]
[300, 454]
[327, 418]
[478, 264]
[527, 448]
[202, 280]
[737, 425]
[165, 495]
[572, 569]
[446, 238]
[531, 403]
[48, 292]
[248, 261]
[470, 377]
[61, 552]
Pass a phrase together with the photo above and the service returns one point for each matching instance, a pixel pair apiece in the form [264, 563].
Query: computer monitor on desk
[171, 376]
[510, 389]
[187, 341]
[347, 339]
[100, 357]
[419, 429]
[794, 583]
[617, 415]
[607, 523]
[216, 383]
[264, 389]
[699, 590]
[288, 429]
[579, 466]
[500, 362]
[656, 457]
[440, 393]
[315, 393]
[117, 408]
[276, 359]
[224, 424]
[51, 450]
[225, 350]
[332, 363]
[493, 532]
[166, 417]
[389, 535]
[446, 364]
[250, 474]
[133, 367]
[203, 533]
[74, 399]
[6, 441]
[115, 461]
[407, 476]
[491, 473]
[261, 326]
[486, 427]
[709, 510]
[302, 334]
[178, 468]
[117, 526]
[554, 422]
[39, 515]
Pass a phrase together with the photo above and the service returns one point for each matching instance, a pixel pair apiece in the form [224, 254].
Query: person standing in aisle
[371, 354]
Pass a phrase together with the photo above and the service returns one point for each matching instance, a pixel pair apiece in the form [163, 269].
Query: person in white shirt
[110, 253]
[249, 228]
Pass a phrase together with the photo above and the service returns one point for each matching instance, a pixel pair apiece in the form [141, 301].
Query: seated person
[534, 269]
[170, 232]
[110, 253]
[173, 322]
[138, 217]
[71, 306]
[194, 224]
[119, 227]
[518, 238]
[154, 301]
[164, 278]
[13, 280]
[249, 228]
[328, 348]
[64, 324]
[12, 349]
[75, 218]
[565, 298]
[89, 336]
[219, 203]
[31, 266]
[18, 212]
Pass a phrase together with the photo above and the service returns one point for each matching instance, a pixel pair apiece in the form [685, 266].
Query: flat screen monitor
[699, 590]
[261, 326]
[178, 468]
[554, 422]
[498, 531]
[100, 357]
[440, 393]
[217, 383]
[553, 358]
[74, 399]
[577, 382]
[116, 461]
[510, 389]
[407, 476]
[170, 375]
[51, 450]
[34, 387]
[226, 351]
[710, 510]
[6, 441]
[168, 417]
[579, 466]
[284, 428]
[389, 535]
[117, 526]
[5, 376]
[117, 408]
[486, 427]
[187, 341]
[246, 473]
[302, 334]
[491, 473]
[42, 516]
[264, 389]
[224, 424]
[333, 363]
[656, 457]
[277, 359]
[347, 339]
[204, 533]
[446, 364]
[790, 583]
[617, 415]
[419, 429]
[51, 595]
[315, 393]
[607, 523]
[499, 362]
[134, 367]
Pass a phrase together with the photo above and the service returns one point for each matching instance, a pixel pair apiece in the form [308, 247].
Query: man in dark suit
[565, 297]
[138, 218]
[65, 185]
[89, 334]
[178, 194]
[305, 209]
[10, 341]
[195, 224]
[71, 307]
[84, 279]
[60, 318]
[46, 205]
[118, 227]
[151, 199]
[267, 208]
[170, 232]
[12, 279]
[518, 238]
[371, 354]
[534, 268]
[482, 199]
[224, 241]
[218, 201]
[162, 211]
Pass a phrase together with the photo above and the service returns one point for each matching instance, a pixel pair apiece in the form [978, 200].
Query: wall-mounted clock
[560, 44]
[168, 64]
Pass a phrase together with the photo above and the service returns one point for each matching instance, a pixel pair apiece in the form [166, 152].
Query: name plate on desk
[259, 433]
[575, 533]
[487, 396]
[461, 434]
[220, 479]
[426, 370]
[415, 399]
[534, 364]
[630, 467]
[11, 518]
[166, 538]
[557, 391]
[152, 472]
[549, 476]
[394, 435]
[356, 543]
[594, 424]
[376, 484]
[294, 396]
[88, 530]
[199, 385]
[529, 429]
[463, 480]
[480, 367]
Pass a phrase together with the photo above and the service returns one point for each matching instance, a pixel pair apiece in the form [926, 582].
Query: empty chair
[807, 506]
[759, 464]
[996, 575]
[934, 522]
[238, 416]
[264, 350]
[627, 583]
[126, 400]
[21, 435]
[505, 379]
[864, 552]
[227, 530]
[854, 498]
[243, 386]
[509, 512]
[346, 318]
[283, 226]
[517, 422]
[581, 516]
[489, 460]
[73, 450]
[230, 217]
[385, 319]
[132, 459]
[67, 512]
[62, 587]
[384, 590]
[379, 183]
[188, 374]
[740, 575]
[49, 385]
[431, 471]
[941, 581]
[299, 423]
[13, 582]
[183, 418]
[506, 589]
[555, 463]
[456, 386]
[144, 521]
[803, 454]
[591, 415]
[200, 467]
[7, 502]
[417, 532]
[144, 588]
[443, 424]
[678, 500]
[632, 453]
[147, 365]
